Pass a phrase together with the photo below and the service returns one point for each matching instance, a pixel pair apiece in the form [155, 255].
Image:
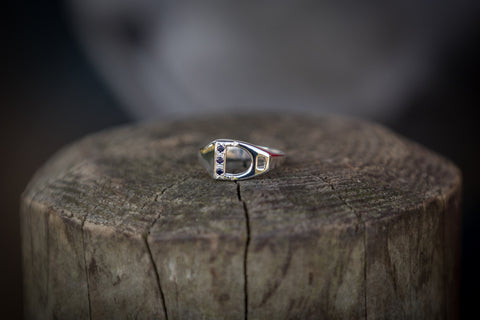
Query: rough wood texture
[358, 223]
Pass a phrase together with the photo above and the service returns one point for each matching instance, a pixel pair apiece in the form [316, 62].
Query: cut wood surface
[358, 223]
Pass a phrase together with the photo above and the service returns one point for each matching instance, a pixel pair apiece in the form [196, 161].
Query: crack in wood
[145, 238]
[163, 191]
[47, 233]
[247, 243]
[158, 196]
[30, 208]
[360, 222]
[82, 228]
[85, 263]
[444, 208]
[157, 276]
[365, 266]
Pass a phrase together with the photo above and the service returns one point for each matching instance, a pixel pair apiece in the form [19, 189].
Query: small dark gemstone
[219, 160]
[220, 148]
[219, 171]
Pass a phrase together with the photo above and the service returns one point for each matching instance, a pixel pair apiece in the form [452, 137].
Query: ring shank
[272, 151]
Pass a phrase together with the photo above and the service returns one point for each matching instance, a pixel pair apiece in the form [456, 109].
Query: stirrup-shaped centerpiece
[228, 159]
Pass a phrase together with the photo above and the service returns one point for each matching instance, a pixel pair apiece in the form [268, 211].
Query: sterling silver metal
[221, 154]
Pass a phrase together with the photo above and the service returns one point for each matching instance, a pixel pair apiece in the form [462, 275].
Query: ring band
[220, 155]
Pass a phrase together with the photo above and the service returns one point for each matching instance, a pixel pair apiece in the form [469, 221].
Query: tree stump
[358, 223]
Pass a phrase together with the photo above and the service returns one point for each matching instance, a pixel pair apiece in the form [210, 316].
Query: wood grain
[358, 223]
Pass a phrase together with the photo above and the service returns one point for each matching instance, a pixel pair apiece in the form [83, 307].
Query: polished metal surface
[227, 159]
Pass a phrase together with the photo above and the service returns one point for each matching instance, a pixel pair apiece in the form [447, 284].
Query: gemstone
[219, 171]
[219, 160]
[220, 148]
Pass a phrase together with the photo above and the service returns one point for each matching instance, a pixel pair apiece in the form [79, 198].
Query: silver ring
[227, 159]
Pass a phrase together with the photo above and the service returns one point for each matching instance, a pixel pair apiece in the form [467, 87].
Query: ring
[227, 159]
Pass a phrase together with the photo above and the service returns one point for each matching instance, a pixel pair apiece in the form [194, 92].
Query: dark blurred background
[69, 68]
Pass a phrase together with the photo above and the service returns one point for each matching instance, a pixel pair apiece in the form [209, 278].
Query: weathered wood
[358, 223]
